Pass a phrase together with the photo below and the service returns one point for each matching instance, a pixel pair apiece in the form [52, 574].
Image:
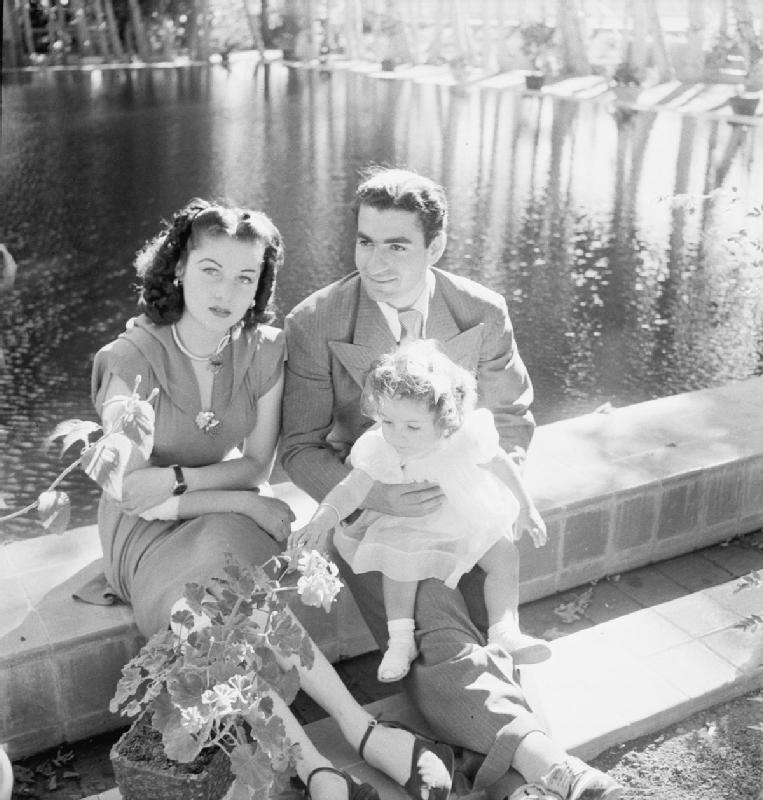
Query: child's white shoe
[401, 650]
[522, 648]
[397, 661]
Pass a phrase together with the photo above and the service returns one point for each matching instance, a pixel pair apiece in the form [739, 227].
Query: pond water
[618, 294]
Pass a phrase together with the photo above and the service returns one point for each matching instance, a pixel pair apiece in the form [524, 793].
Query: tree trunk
[746, 29]
[255, 33]
[26, 27]
[84, 47]
[11, 35]
[113, 31]
[353, 28]
[571, 28]
[654, 29]
[139, 32]
[206, 25]
[695, 52]
[101, 28]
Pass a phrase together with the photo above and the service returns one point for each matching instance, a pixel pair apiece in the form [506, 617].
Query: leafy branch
[103, 459]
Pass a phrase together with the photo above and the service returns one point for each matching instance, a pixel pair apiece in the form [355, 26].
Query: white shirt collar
[421, 304]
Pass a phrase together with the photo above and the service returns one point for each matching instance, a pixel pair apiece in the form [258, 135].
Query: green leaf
[72, 431]
[178, 743]
[251, 766]
[54, 511]
[105, 462]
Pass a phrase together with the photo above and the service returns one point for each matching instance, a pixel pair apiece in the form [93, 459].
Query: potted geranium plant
[207, 690]
[537, 39]
[626, 83]
[200, 697]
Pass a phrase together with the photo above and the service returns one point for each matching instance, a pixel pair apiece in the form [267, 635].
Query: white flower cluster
[319, 585]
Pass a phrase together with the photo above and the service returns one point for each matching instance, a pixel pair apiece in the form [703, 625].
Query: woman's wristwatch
[180, 485]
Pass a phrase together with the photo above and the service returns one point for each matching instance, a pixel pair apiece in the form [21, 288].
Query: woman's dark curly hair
[156, 263]
[421, 372]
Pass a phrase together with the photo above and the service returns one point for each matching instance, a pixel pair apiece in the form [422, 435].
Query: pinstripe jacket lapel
[372, 337]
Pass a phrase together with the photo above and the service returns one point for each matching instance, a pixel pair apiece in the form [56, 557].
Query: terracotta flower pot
[744, 104]
[534, 81]
[142, 770]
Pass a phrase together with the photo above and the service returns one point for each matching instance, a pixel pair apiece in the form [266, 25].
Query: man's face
[391, 255]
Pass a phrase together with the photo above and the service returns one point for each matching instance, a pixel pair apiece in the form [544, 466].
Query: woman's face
[220, 278]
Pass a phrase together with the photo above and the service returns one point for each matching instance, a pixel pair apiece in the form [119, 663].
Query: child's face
[408, 425]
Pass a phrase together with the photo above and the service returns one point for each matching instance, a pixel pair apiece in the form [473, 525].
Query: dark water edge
[617, 294]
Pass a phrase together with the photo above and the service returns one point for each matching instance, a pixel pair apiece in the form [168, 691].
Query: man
[465, 691]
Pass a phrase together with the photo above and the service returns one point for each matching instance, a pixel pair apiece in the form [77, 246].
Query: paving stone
[752, 495]
[679, 509]
[698, 614]
[693, 668]
[585, 536]
[635, 519]
[27, 637]
[721, 494]
[608, 602]
[644, 632]
[735, 557]
[537, 562]
[743, 596]
[742, 648]
[648, 586]
[693, 572]
[88, 675]
[29, 697]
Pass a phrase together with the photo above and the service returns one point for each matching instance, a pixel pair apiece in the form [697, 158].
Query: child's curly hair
[420, 371]
[161, 297]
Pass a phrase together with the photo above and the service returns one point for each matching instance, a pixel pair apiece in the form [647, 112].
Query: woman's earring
[177, 283]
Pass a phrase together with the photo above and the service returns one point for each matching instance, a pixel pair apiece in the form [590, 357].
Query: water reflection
[617, 294]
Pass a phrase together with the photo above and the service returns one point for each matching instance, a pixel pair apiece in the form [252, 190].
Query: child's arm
[528, 520]
[340, 502]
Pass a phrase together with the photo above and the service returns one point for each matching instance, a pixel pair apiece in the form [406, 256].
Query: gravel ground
[712, 755]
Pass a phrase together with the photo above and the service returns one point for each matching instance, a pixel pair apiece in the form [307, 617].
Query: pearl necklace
[206, 421]
[214, 360]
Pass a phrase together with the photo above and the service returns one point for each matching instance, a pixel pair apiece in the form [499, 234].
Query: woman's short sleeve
[122, 359]
[267, 365]
[374, 456]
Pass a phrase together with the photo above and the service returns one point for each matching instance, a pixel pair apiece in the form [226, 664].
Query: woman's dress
[148, 563]
[479, 509]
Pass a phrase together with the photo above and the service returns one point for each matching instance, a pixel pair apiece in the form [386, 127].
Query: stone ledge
[618, 490]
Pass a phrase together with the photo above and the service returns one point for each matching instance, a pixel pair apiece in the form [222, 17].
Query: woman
[206, 285]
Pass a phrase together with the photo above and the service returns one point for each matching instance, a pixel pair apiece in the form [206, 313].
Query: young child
[428, 429]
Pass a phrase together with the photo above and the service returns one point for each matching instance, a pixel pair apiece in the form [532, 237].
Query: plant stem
[50, 488]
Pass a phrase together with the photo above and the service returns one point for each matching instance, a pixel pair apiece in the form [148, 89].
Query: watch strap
[180, 484]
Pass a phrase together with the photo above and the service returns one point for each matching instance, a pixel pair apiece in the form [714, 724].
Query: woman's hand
[272, 515]
[530, 521]
[145, 488]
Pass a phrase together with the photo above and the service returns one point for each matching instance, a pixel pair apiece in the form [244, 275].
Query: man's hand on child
[530, 521]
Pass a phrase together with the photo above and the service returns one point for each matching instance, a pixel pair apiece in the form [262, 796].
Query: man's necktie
[411, 324]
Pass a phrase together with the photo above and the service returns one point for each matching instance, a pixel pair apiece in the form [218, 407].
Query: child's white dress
[479, 509]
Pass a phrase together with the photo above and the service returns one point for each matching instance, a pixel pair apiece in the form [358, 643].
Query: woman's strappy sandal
[355, 790]
[416, 785]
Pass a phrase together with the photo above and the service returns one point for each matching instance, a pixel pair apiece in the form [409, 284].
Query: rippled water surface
[617, 293]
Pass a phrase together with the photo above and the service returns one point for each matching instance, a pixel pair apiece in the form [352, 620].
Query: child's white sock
[401, 650]
[522, 648]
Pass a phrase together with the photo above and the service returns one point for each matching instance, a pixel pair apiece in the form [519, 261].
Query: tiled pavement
[634, 655]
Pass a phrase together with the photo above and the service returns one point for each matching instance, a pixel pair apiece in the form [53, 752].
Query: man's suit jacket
[333, 337]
